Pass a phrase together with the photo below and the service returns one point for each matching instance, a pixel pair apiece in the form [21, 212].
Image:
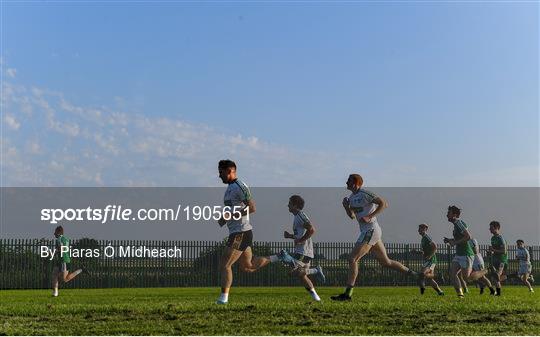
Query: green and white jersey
[237, 195]
[498, 242]
[464, 248]
[427, 249]
[476, 250]
[361, 204]
[523, 256]
[474, 245]
[60, 242]
[305, 248]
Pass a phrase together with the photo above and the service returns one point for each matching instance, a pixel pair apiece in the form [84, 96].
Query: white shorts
[478, 263]
[465, 262]
[370, 236]
[429, 265]
[525, 268]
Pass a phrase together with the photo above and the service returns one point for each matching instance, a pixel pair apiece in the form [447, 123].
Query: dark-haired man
[429, 248]
[61, 261]
[499, 254]
[300, 262]
[525, 266]
[237, 197]
[463, 260]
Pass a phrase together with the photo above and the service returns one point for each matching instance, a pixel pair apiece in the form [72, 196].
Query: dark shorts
[302, 258]
[240, 241]
[62, 266]
[499, 266]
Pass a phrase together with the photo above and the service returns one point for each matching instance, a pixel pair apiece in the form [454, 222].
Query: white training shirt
[361, 204]
[237, 194]
[305, 248]
[523, 255]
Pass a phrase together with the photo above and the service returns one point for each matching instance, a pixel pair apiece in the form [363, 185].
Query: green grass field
[267, 311]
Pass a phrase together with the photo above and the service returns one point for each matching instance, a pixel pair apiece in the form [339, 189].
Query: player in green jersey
[463, 260]
[478, 264]
[430, 261]
[61, 261]
[499, 254]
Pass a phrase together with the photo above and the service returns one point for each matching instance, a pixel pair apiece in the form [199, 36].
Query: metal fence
[22, 267]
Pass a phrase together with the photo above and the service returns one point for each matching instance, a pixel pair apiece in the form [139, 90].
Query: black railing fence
[196, 264]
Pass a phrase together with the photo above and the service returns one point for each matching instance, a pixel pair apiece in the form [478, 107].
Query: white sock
[311, 271]
[77, 272]
[55, 292]
[314, 295]
[273, 258]
[224, 297]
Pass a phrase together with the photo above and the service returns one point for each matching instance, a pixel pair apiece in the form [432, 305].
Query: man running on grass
[478, 265]
[365, 206]
[300, 262]
[463, 260]
[429, 248]
[499, 254]
[525, 266]
[62, 260]
[240, 235]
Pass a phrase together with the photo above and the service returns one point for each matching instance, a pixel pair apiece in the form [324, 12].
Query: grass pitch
[267, 311]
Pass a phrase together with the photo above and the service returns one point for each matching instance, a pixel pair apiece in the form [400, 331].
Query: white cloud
[12, 122]
[11, 72]
[137, 150]
[33, 148]
[101, 146]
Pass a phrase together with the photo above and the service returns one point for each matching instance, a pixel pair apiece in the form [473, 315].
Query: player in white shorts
[525, 266]
[365, 206]
[463, 260]
[300, 262]
[478, 265]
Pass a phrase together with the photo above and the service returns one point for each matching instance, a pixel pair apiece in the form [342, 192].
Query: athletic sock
[273, 258]
[349, 291]
[224, 297]
[422, 290]
[77, 272]
[311, 271]
[55, 292]
[313, 294]
[498, 290]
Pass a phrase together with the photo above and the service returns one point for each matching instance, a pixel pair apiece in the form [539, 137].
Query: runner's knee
[386, 263]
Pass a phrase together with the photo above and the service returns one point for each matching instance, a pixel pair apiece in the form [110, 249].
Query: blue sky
[153, 94]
